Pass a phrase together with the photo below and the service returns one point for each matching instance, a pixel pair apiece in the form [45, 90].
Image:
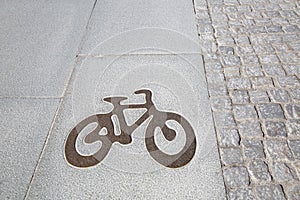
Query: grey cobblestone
[228, 137]
[289, 81]
[270, 192]
[224, 119]
[293, 110]
[239, 96]
[259, 170]
[283, 172]
[239, 83]
[244, 112]
[295, 93]
[236, 176]
[295, 148]
[274, 70]
[262, 82]
[253, 149]
[258, 96]
[250, 129]
[280, 95]
[231, 156]
[241, 193]
[275, 129]
[253, 71]
[278, 150]
[271, 111]
[293, 192]
[257, 43]
[293, 127]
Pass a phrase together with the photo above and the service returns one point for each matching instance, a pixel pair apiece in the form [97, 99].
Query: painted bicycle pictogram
[159, 119]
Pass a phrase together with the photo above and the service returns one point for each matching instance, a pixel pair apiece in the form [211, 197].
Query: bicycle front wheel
[177, 160]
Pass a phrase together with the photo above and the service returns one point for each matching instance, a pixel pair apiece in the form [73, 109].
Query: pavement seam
[60, 104]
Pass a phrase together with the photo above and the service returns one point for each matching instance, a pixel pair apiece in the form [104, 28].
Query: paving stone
[279, 21]
[224, 119]
[253, 149]
[269, 59]
[262, 82]
[255, 70]
[293, 192]
[263, 22]
[221, 104]
[239, 96]
[241, 193]
[275, 129]
[232, 72]
[295, 148]
[236, 176]
[259, 170]
[270, 192]
[231, 60]
[217, 90]
[229, 137]
[273, 70]
[295, 93]
[289, 81]
[274, 28]
[250, 60]
[243, 40]
[226, 50]
[271, 111]
[292, 69]
[258, 96]
[239, 83]
[211, 66]
[215, 77]
[278, 150]
[250, 129]
[293, 110]
[291, 28]
[228, 60]
[280, 95]
[271, 14]
[293, 127]
[288, 14]
[257, 29]
[245, 48]
[289, 57]
[283, 172]
[231, 156]
[244, 112]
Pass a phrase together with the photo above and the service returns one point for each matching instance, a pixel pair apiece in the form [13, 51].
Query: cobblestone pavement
[252, 63]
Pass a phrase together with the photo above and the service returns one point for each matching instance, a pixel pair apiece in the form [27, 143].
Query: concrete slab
[130, 171]
[24, 125]
[39, 41]
[112, 18]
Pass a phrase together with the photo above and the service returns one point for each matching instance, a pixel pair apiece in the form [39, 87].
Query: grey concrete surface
[128, 171]
[111, 18]
[39, 41]
[24, 125]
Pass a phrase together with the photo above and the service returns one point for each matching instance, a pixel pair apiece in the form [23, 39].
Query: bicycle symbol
[159, 119]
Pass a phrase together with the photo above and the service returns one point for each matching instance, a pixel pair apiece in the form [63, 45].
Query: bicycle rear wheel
[74, 157]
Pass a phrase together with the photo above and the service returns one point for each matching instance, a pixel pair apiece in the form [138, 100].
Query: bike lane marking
[177, 80]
